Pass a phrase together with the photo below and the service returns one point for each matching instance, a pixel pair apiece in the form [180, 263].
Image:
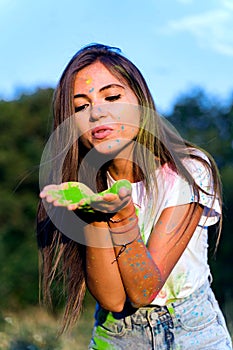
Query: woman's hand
[77, 196]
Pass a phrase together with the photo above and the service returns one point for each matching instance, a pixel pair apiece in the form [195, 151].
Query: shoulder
[197, 158]
[199, 166]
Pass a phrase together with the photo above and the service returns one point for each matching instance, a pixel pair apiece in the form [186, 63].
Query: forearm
[140, 275]
[103, 277]
[145, 270]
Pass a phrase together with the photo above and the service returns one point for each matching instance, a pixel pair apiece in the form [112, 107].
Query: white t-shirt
[192, 269]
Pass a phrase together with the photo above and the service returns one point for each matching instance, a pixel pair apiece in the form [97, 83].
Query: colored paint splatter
[88, 81]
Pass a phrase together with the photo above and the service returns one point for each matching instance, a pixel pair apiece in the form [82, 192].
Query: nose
[97, 111]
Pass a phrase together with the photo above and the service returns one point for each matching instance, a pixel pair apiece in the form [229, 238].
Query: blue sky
[177, 44]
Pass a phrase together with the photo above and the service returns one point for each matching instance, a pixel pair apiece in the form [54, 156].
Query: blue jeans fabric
[195, 323]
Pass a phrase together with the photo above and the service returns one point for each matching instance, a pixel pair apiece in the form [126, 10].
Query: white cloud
[213, 29]
[228, 4]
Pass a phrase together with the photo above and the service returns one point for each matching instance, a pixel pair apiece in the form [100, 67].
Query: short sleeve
[181, 192]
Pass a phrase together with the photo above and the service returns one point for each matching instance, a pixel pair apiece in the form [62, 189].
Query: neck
[122, 166]
[121, 169]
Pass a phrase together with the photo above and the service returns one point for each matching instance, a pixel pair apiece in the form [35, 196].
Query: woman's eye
[81, 108]
[113, 97]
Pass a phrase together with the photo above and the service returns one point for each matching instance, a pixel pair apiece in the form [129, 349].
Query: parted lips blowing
[102, 131]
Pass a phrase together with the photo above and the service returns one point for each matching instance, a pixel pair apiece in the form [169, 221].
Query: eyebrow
[102, 89]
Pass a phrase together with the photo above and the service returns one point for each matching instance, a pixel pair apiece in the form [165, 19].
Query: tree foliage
[25, 126]
[208, 123]
[23, 133]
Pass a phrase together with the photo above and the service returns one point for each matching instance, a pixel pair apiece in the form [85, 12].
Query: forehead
[94, 74]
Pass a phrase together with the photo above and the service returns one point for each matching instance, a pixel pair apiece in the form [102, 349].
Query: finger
[110, 197]
[72, 206]
[42, 194]
[49, 198]
[124, 192]
[45, 191]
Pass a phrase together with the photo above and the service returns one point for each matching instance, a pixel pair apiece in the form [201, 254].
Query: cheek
[130, 115]
[84, 134]
[82, 125]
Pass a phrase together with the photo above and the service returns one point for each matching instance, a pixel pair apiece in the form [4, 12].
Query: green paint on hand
[74, 192]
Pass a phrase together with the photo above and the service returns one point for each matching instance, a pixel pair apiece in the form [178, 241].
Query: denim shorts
[193, 323]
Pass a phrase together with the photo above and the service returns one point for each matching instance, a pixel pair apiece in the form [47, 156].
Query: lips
[101, 132]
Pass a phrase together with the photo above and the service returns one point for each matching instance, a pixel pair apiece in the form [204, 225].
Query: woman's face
[107, 110]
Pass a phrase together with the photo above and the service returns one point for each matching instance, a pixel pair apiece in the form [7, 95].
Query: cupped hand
[77, 196]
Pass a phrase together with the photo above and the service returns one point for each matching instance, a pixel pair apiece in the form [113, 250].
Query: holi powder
[91, 90]
[88, 81]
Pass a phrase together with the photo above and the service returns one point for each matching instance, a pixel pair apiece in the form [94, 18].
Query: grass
[35, 329]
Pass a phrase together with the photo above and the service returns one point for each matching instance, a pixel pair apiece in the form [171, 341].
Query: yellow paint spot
[88, 81]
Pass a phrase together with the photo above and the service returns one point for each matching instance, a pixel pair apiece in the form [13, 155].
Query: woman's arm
[144, 270]
[103, 278]
[137, 271]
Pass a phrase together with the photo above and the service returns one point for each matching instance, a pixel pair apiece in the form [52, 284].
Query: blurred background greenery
[25, 125]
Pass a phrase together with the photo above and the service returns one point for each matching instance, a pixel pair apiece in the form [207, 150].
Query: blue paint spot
[122, 127]
[92, 89]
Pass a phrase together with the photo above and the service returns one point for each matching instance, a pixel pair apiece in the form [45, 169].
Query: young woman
[140, 246]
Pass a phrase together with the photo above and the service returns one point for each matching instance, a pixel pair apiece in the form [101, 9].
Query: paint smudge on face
[91, 90]
[88, 81]
[147, 275]
[122, 127]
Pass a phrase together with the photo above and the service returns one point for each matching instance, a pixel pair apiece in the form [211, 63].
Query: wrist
[123, 216]
[126, 232]
[123, 226]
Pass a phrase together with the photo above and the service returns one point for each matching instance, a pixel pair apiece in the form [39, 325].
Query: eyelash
[113, 97]
[81, 108]
[108, 98]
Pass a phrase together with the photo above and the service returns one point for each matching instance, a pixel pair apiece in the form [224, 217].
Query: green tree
[208, 123]
[23, 133]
